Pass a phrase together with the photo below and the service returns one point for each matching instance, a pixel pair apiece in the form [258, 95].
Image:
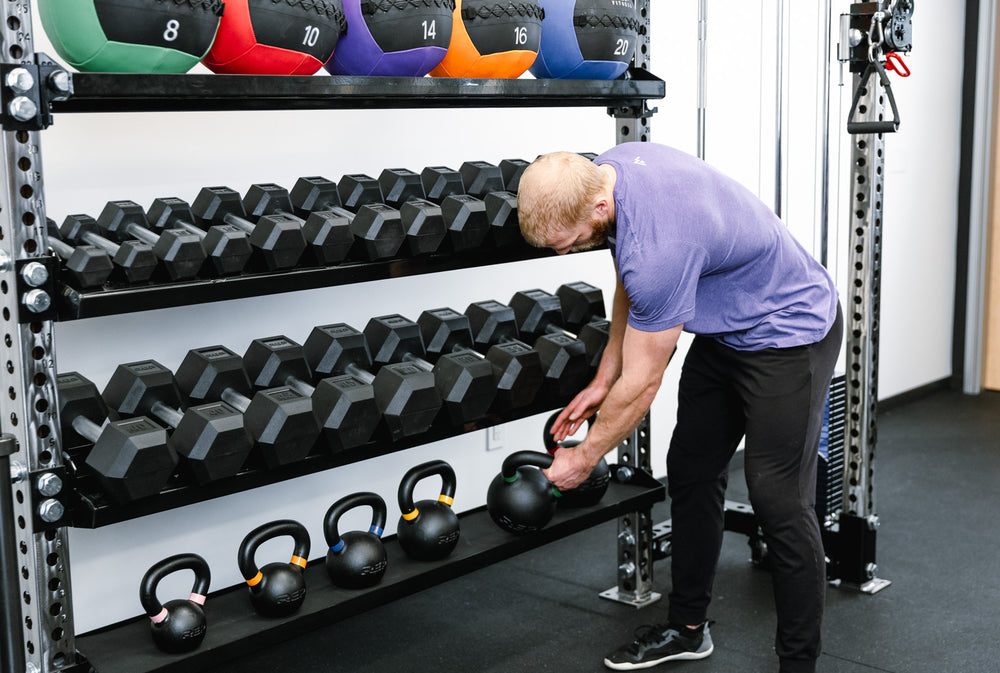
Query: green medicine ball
[149, 36]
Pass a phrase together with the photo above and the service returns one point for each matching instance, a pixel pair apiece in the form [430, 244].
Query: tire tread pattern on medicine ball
[528, 10]
[370, 7]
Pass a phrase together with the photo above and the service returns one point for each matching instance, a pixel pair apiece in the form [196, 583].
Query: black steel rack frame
[41, 500]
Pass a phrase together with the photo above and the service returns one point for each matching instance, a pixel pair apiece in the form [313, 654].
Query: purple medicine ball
[397, 38]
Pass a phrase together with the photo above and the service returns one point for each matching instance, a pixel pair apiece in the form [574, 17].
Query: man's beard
[599, 236]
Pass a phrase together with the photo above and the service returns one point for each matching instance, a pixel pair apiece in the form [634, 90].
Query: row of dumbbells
[317, 223]
[281, 400]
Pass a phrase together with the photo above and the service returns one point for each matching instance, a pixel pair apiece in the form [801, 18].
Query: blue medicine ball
[586, 39]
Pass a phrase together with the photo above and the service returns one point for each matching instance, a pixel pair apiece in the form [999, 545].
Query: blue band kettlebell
[179, 625]
[356, 559]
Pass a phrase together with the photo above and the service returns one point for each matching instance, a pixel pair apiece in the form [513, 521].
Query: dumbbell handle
[418, 361]
[141, 233]
[64, 250]
[362, 375]
[99, 241]
[240, 223]
[555, 329]
[236, 399]
[459, 348]
[167, 414]
[86, 428]
[300, 386]
[190, 228]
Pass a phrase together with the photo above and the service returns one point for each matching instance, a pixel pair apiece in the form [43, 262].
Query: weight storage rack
[36, 622]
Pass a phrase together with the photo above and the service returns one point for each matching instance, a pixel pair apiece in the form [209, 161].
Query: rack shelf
[233, 629]
[74, 304]
[92, 509]
[168, 93]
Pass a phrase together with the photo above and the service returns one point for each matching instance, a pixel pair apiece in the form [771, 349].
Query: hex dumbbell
[226, 246]
[86, 265]
[131, 458]
[464, 380]
[406, 395]
[179, 252]
[344, 407]
[277, 240]
[517, 369]
[134, 259]
[280, 420]
[211, 436]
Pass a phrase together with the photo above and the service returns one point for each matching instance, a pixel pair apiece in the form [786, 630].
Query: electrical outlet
[495, 437]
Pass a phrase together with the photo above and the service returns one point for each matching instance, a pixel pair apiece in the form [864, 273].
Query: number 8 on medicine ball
[148, 36]
[586, 39]
[398, 38]
[492, 39]
[276, 37]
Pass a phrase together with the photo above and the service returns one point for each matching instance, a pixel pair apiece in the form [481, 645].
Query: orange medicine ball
[492, 38]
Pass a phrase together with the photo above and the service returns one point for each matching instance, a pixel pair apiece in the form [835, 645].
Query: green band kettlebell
[356, 559]
[178, 625]
[277, 589]
[595, 486]
[521, 499]
[428, 530]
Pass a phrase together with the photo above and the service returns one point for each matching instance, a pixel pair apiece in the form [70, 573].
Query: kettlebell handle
[332, 519]
[418, 473]
[549, 442]
[522, 458]
[168, 566]
[258, 536]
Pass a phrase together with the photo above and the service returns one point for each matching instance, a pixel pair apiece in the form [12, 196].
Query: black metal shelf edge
[233, 629]
[92, 509]
[121, 92]
[74, 304]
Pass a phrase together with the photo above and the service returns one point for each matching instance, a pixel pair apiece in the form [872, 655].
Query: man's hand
[569, 469]
[583, 406]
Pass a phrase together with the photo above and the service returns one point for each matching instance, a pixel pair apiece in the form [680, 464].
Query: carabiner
[894, 62]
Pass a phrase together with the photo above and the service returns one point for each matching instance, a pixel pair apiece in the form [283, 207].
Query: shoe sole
[684, 656]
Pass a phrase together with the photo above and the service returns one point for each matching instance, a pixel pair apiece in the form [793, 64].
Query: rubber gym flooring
[938, 497]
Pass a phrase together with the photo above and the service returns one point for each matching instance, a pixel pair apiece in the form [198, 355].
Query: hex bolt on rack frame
[38, 503]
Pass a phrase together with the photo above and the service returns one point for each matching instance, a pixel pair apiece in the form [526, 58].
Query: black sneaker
[656, 643]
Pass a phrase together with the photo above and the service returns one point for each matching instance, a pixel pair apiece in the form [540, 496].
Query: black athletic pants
[775, 398]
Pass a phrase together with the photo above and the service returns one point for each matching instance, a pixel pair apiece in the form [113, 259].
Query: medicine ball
[276, 37]
[149, 36]
[492, 39]
[588, 39]
[402, 38]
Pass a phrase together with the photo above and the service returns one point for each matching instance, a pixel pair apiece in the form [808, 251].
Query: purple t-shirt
[695, 247]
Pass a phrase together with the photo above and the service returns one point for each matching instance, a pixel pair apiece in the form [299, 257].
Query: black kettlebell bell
[521, 499]
[179, 625]
[277, 589]
[428, 530]
[595, 486]
[356, 559]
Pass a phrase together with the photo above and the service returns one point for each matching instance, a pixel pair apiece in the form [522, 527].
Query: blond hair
[557, 191]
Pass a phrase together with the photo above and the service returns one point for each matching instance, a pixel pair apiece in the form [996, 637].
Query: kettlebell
[277, 589]
[595, 486]
[179, 625]
[356, 559]
[427, 530]
[521, 499]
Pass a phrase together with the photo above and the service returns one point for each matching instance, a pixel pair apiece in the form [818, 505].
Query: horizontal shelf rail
[120, 92]
[234, 630]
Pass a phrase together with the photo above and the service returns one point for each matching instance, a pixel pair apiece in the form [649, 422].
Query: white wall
[90, 159]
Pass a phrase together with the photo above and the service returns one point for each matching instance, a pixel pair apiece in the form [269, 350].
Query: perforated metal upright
[38, 631]
[635, 530]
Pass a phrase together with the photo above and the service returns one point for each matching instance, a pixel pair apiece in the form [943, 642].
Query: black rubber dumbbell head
[357, 189]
